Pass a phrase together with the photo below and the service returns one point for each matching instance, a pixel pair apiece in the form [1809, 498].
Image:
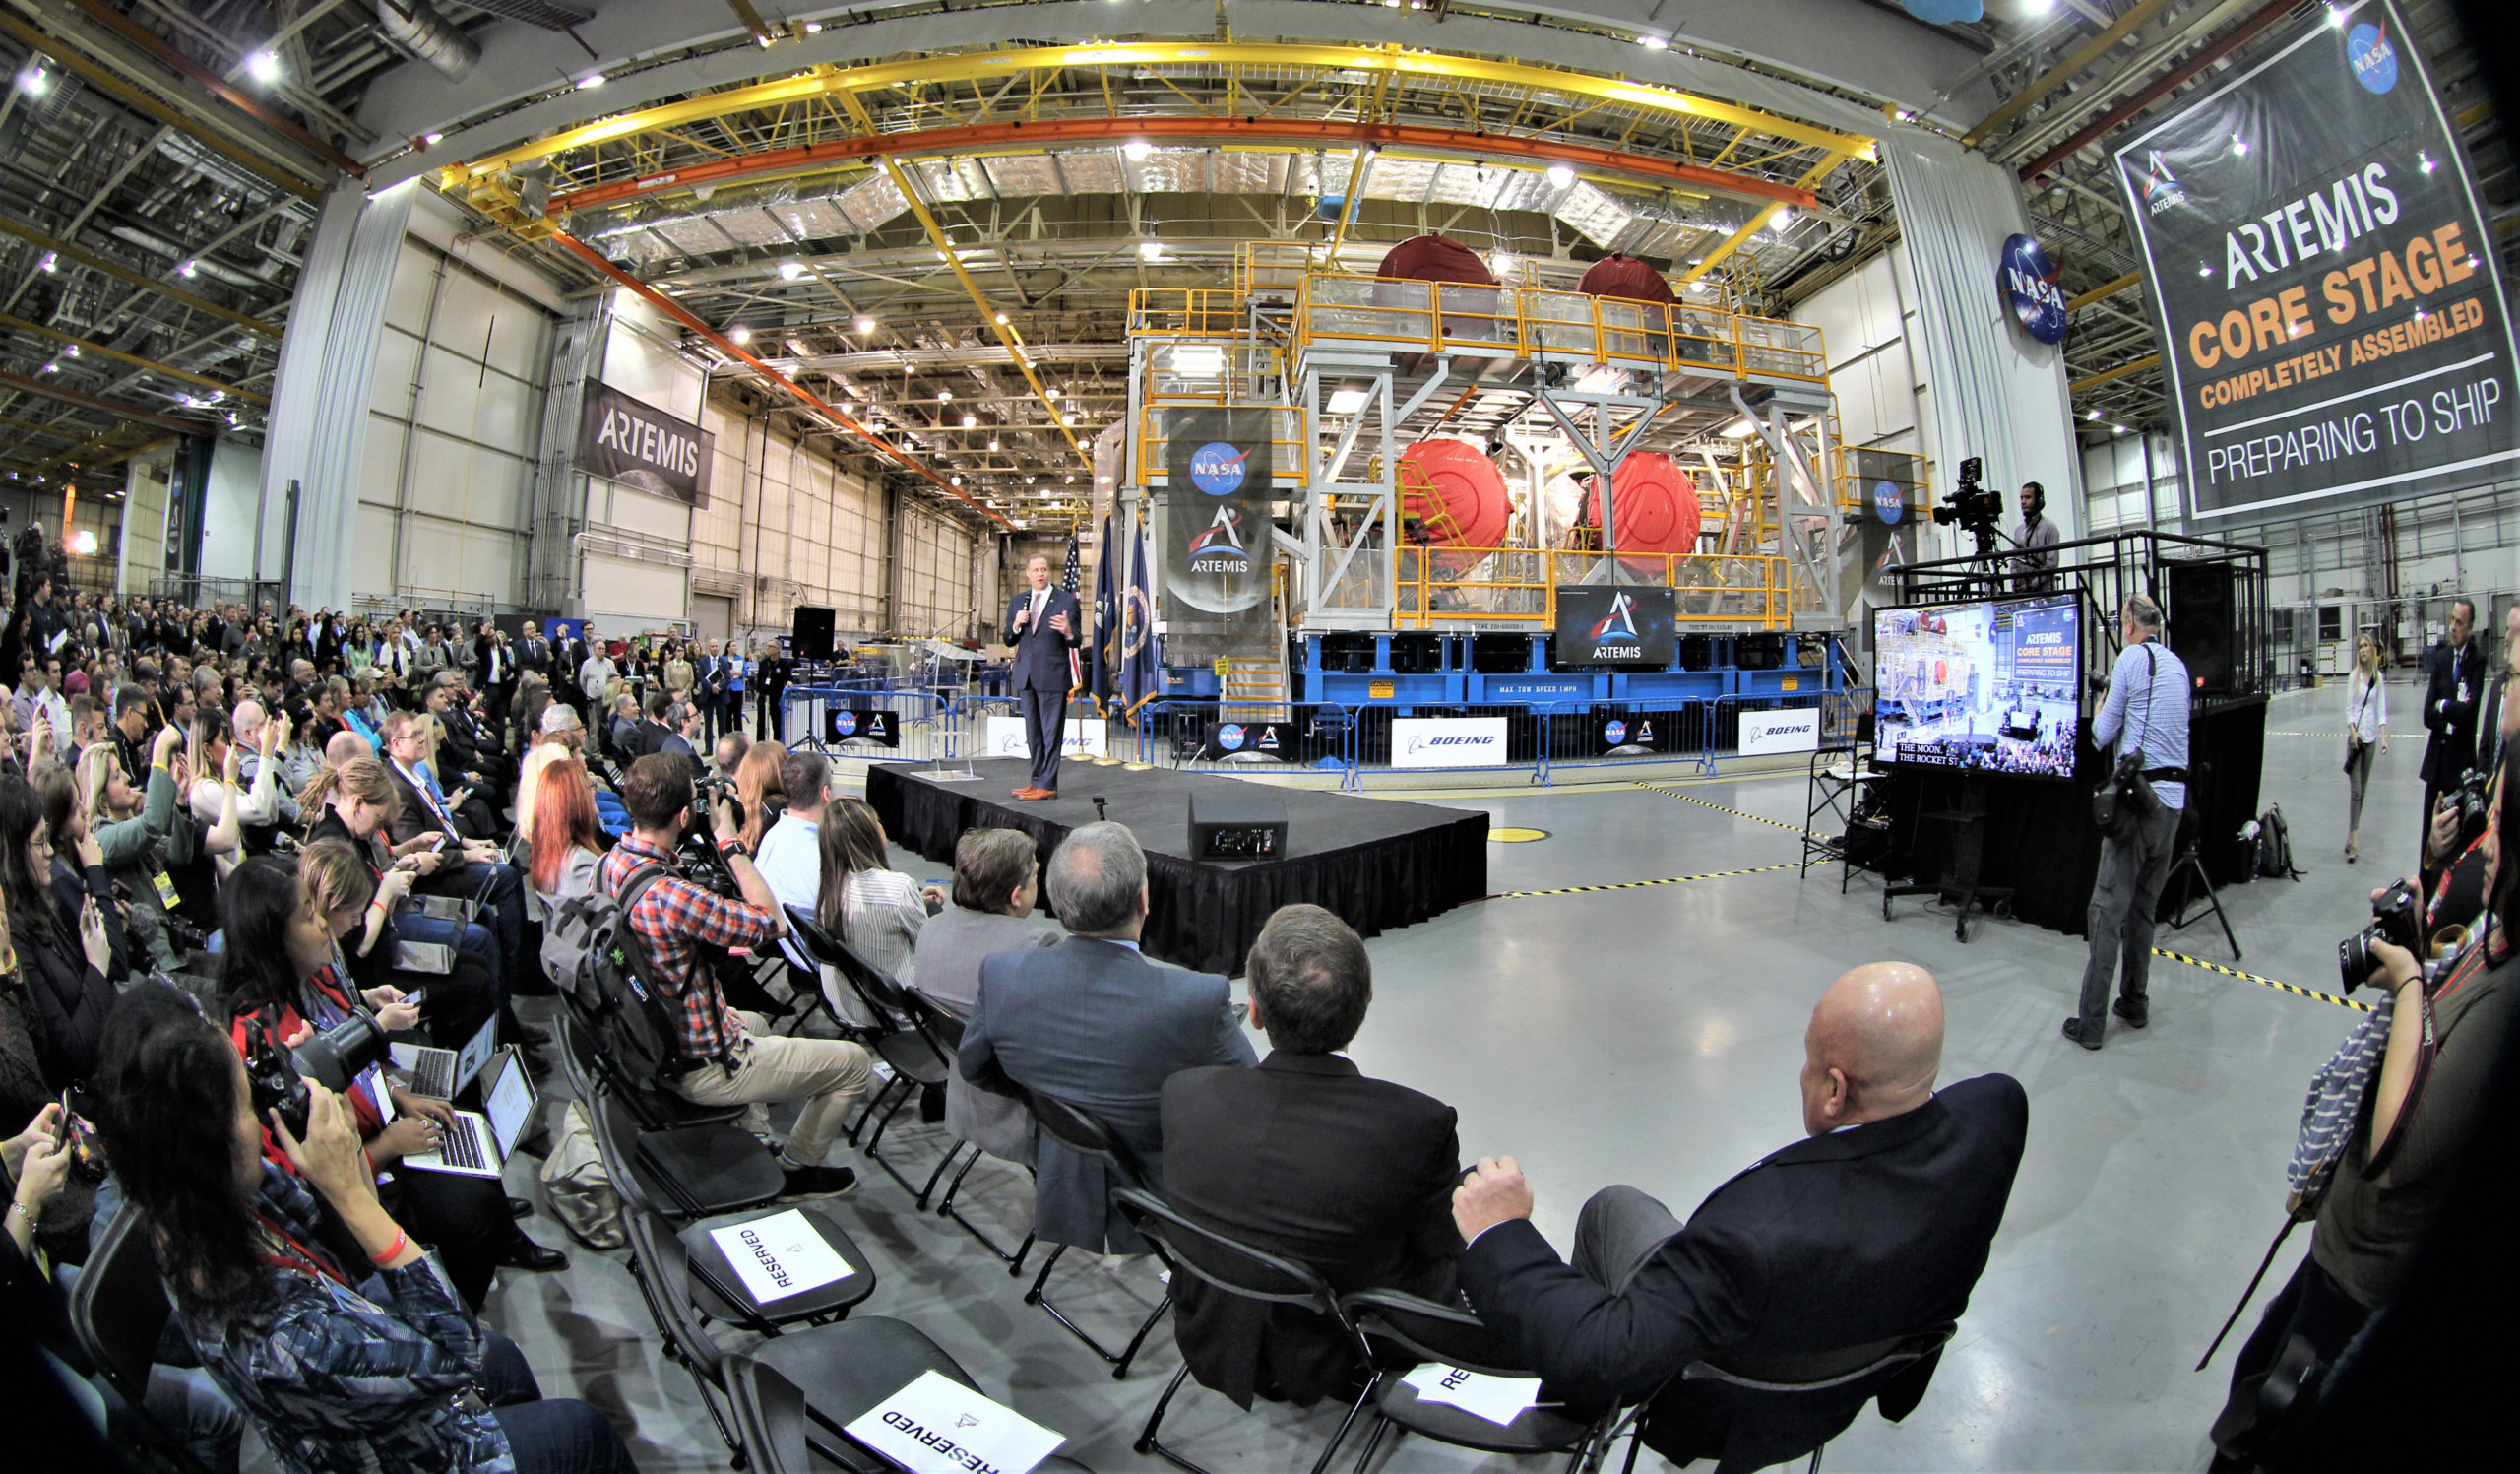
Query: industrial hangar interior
[2037, 435]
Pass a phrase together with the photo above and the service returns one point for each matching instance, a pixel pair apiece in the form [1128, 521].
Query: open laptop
[440, 1074]
[478, 1143]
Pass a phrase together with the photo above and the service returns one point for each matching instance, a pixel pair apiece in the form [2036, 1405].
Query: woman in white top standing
[876, 909]
[2367, 724]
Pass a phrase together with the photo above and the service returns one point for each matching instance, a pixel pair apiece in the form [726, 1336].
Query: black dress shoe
[519, 1209]
[530, 1036]
[522, 1252]
[2074, 1032]
[2136, 1015]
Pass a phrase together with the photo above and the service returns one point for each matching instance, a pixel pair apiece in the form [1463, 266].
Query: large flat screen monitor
[1994, 686]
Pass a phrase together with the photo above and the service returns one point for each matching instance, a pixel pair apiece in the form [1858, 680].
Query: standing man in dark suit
[1307, 1157]
[1093, 1023]
[2450, 708]
[534, 653]
[494, 671]
[1815, 1261]
[1041, 625]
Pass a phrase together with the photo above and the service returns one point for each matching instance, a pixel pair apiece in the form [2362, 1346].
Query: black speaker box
[1247, 821]
[1697, 651]
[2199, 611]
[1759, 652]
[813, 633]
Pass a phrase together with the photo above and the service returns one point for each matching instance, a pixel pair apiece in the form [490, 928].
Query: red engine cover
[1656, 502]
[1457, 492]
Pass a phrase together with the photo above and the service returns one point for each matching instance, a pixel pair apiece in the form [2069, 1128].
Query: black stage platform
[1378, 865]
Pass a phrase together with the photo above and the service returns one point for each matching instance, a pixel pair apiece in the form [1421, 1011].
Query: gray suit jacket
[1095, 1025]
[947, 957]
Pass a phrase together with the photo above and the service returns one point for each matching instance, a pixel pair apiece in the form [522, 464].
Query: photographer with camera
[2145, 720]
[727, 1057]
[284, 986]
[317, 1312]
[2383, 1131]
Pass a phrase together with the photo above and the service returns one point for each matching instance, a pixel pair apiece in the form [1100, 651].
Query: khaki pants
[827, 1074]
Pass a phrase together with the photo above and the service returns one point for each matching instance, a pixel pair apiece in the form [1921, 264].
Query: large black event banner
[632, 442]
[2333, 319]
[1219, 479]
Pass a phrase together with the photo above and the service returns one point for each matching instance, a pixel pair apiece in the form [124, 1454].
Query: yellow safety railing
[1274, 264]
[1860, 473]
[1197, 312]
[1521, 321]
[1288, 442]
[1438, 586]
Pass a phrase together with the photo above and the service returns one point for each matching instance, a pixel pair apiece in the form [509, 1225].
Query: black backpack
[2275, 846]
[594, 959]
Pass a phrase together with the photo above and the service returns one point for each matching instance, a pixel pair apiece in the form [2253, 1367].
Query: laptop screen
[477, 1052]
[509, 1102]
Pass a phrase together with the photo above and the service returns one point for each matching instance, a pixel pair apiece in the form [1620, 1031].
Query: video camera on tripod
[1973, 507]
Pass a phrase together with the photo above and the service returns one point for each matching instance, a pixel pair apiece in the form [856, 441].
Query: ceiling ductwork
[421, 30]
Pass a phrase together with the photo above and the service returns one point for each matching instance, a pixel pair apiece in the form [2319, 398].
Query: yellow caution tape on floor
[1670, 793]
[2232, 972]
[1582, 890]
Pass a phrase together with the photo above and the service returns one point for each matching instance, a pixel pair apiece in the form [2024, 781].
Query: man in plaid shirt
[734, 1058]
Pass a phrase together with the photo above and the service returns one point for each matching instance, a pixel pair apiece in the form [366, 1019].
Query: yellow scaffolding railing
[1440, 317]
[1455, 585]
[1184, 311]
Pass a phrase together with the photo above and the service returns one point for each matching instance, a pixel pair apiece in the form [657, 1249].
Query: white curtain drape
[318, 435]
[1993, 391]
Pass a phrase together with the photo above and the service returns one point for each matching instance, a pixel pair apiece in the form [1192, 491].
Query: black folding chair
[945, 1029]
[655, 1107]
[1454, 1337]
[916, 1062]
[1775, 1418]
[794, 1429]
[1084, 1134]
[689, 1172]
[118, 1310]
[1234, 1267]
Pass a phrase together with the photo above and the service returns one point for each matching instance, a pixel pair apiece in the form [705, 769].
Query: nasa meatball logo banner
[1266, 739]
[1219, 479]
[1617, 625]
[1632, 732]
[2028, 281]
[622, 439]
[2333, 322]
[861, 724]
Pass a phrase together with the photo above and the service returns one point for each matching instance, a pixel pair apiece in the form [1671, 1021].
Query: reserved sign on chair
[938, 1425]
[779, 1255]
[1497, 1399]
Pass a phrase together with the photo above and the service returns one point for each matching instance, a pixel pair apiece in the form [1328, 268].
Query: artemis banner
[622, 439]
[2332, 313]
[1219, 478]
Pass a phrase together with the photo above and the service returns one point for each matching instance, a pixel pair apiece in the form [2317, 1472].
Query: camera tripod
[2189, 862]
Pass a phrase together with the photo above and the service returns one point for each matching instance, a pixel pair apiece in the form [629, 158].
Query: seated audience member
[875, 908]
[259, 737]
[568, 838]
[760, 790]
[473, 869]
[559, 735]
[997, 878]
[1308, 1158]
[136, 838]
[730, 1057]
[1818, 1260]
[730, 751]
[790, 855]
[666, 719]
[213, 797]
[280, 971]
[629, 734]
[65, 972]
[1095, 1024]
[357, 801]
[359, 907]
[2408, 1093]
[342, 1363]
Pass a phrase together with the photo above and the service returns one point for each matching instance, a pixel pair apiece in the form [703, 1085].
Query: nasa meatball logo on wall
[2029, 282]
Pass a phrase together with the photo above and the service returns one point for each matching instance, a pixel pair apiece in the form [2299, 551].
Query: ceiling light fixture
[1347, 401]
[792, 269]
[1150, 250]
[189, 268]
[590, 78]
[1562, 175]
[740, 334]
[2091, 414]
[1781, 220]
[992, 442]
[813, 27]
[944, 396]
[1054, 391]
[34, 80]
[52, 261]
[1654, 42]
[1137, 149]
[970, 422]
[263, 67]
[1001, 319]
[431, 140]
[865, 325]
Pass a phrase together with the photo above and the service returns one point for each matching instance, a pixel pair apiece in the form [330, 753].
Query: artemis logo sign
[1447, 741]
[652, 443]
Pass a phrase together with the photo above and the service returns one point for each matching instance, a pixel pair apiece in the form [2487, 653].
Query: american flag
[1072, 580]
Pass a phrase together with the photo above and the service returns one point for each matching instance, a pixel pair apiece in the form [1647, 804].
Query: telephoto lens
[2397, 918]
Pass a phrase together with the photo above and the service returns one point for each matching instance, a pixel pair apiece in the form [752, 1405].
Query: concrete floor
[1653, 1035]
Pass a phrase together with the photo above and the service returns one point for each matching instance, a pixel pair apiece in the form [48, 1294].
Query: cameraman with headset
[2383, 1133]
[2037, 567]
[2146, 714]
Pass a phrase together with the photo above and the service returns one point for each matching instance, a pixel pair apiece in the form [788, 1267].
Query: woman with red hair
[568, 837]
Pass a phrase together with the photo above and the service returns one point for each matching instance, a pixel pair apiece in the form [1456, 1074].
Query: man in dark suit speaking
[1815, 1261]
[1308, 1158]
[1041, 625]
[2454, 689]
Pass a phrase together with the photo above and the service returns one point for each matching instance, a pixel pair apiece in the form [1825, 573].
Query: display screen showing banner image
[1994, 686]
[1614, 624]
[1219, 479]
[2334, 325]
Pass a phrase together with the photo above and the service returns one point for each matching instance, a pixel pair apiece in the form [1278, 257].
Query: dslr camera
[2474, 806]
[332, 1059]
[2397, 918]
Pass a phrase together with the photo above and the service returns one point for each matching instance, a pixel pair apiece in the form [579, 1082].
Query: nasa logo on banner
[1215, 468]
[1258, 739]
[860, 724]
[1889, 501]
[1633, 732]
[2029, 282]
[2375, 60]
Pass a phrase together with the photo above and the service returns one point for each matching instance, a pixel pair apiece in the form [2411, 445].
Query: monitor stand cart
[1968, 846]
